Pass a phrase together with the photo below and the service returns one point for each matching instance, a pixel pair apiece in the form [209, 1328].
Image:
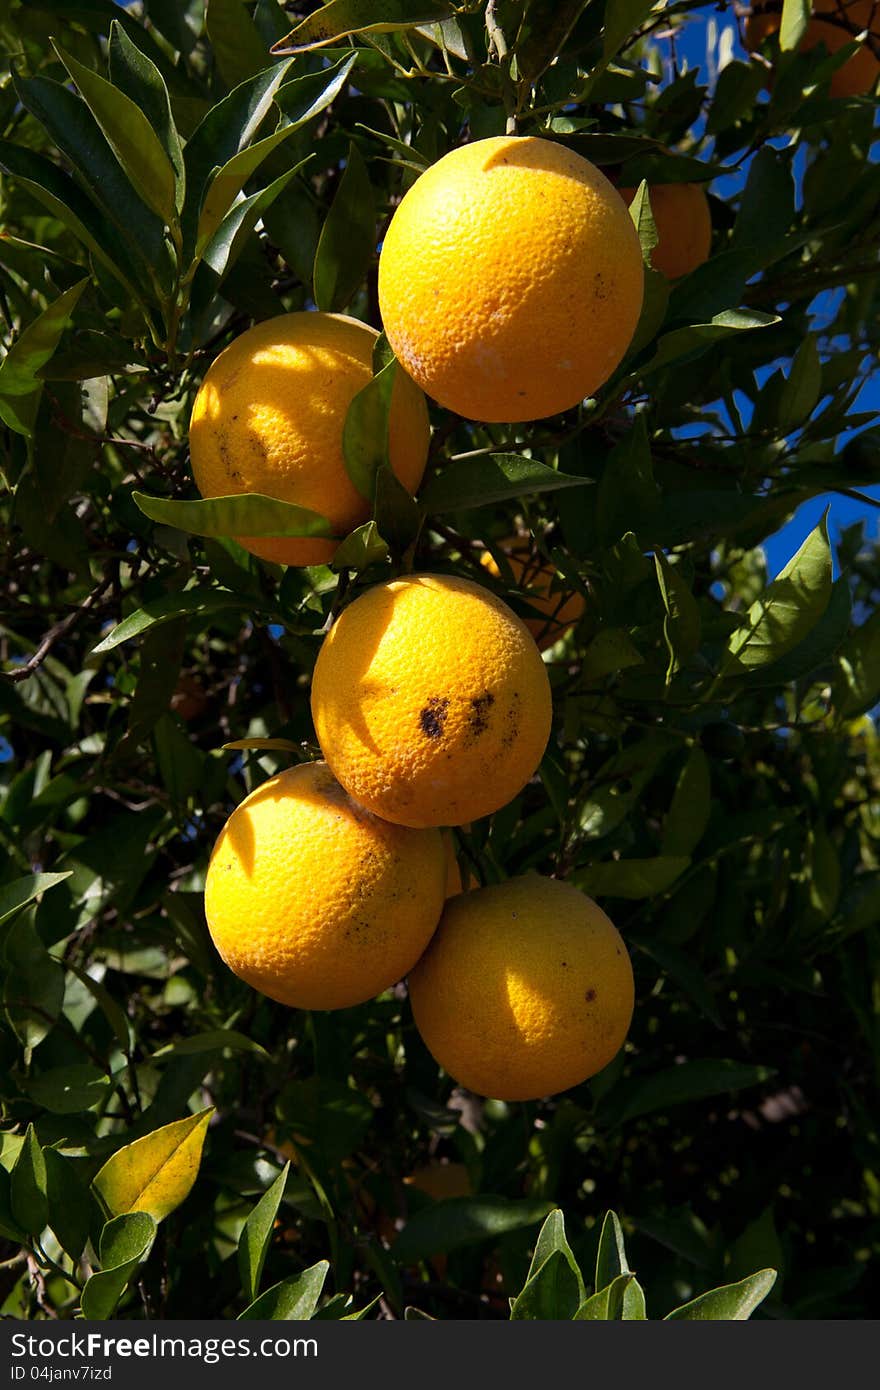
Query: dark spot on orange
[433, 717]
[590, 995]
[480, 707]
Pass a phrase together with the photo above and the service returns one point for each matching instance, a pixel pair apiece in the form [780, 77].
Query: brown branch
[60, 629]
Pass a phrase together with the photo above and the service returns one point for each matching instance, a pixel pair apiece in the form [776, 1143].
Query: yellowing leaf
[154, 1174]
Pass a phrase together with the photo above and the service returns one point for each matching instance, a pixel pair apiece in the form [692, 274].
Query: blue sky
[704, 31]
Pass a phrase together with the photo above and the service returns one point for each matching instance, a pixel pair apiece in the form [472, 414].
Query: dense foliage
[713, 776]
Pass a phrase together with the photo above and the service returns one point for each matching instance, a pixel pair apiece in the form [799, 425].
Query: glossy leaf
[795, 18]
[126, 1242]
[684, 344]
[607, 1304]
[256, 1235]
[551, 1292]
[78, 135]
[467, 483]
[365, 432]
[244, 514]
[621, 18]
[228, 127]
[733, 1302]
[238, 48]
[460, 1221]
[68, 1199]
[130, 135]
[21, 891]
[360, 549]
[211, 1041]
[340, 18]
[631, 878]
[28, 1186]
[139, 78]
[681, 624]
[688, 814]
[294, 1299]
[154, 1174]
[858, 685]
[195, 602]
[348, 238]
[611, 1254]
[680, 1085]
[20, 384]
[67, 1090]
[643, 221]
[786, 611]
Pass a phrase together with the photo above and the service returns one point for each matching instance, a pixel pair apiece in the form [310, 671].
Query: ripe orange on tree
[525, 990]
[269, 417]
[430, 701]
[316, 902]
[510, 279]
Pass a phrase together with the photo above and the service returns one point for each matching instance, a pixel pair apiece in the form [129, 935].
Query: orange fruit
[314, 901]
[525, 989]
[510, 279]
[269, 417]
[684, 226]
[848, 18]
[430, 701]
[561, 607]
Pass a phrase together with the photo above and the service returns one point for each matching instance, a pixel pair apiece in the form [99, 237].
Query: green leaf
[256, 1235]
[78, 135]
[63, 199]
[552, 1241]
[611, 1254]
[33, 988]
[857, 687]
[467, 483]
[688, 814]
[227, 128]
[543, 31]
[67, 1090]
[21, 891]
[685, 344]
[627, 491]
[643, 221]
[69, 1200]
[131, 137]
[732, 1302]
[786, 611]
[306, 96]
[340, 18]
[154, 1174]
[461, 1221]
[244, 514]
[164, 610]
[212, 1041]
[227, 243]
[348, 237]
[681, 625]
[550, 1293]
[680, 1085]
[360, 549]
[239, 51]
[365, 432]
[294, 1299]
[816, 650]
[683, 970]
[607, 1305]
[20, 384]
[28, 1195]
[766, 209]
[631, 878]
[8, 1225]
[795, 18]
[610, 650]
[397, 515]
[138, 77]
[621, 18]
[800, 393]
[126, 1241]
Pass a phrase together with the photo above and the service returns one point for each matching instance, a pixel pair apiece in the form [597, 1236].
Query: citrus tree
[176, 1142]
